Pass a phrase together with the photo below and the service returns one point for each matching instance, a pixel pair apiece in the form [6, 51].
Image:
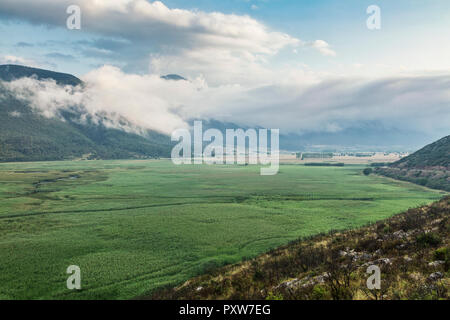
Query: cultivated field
[134, 226]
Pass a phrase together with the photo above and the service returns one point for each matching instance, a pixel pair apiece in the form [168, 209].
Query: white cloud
[148, 101]
[223, 48]
[323, 47]
[292, 104]
[39, 63]
[141, 20]
[142, 100]
[10, 59]
[216, 65]
[15, 114]
[46, 97]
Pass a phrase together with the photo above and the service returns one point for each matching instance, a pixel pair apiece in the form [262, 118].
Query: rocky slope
[412, 250]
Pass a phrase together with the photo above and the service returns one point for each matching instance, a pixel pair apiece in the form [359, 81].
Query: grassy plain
[134, 226]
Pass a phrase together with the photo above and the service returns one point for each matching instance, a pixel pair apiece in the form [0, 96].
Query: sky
[295, 65]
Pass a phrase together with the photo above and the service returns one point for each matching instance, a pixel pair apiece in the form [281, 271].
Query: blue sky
[294, 65]
[414, 33]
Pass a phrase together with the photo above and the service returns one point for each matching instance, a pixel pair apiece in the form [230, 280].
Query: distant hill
[430, 166]
[365, 135]
[28, 136]
[10, 72]
[434, 155]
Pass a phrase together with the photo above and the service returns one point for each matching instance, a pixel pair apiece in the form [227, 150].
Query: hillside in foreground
[430, 166]
[412, 250]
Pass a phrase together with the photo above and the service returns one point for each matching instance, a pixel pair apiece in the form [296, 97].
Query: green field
[134, 226]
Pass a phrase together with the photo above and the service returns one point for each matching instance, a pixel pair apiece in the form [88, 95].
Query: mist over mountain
[10, 72]
[27, 135]
[368, 136]
[68, 130]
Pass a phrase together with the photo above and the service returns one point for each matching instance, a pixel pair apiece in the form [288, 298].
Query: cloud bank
[150, 102]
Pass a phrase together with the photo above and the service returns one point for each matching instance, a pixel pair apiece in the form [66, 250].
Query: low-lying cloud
[147, 101]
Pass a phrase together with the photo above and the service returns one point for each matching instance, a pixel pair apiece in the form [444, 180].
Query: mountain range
[26, 135]
[10, 72]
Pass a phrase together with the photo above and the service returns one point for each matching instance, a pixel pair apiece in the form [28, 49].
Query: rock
[366, 256]
[321, 279]
[400, 234]
[354, 254]
[384, 261]
[407, 259]
[435, 276]
[291, 284]
[302, 283]
[347, 252]
[318, 279]
[436, 263]
[415, 276]
[378, 262]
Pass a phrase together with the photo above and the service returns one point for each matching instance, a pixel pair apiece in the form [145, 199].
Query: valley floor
[411, 249]
[134, 227]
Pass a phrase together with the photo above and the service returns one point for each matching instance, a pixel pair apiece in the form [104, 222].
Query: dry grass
[412, 249]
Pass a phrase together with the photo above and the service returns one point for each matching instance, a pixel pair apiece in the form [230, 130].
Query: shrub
[272, 296]
[324, 164]
[370, 245]
[320, 293]
[429, 239]
[413, 220]
[367, 171]
[442, 254]
[378, 164]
